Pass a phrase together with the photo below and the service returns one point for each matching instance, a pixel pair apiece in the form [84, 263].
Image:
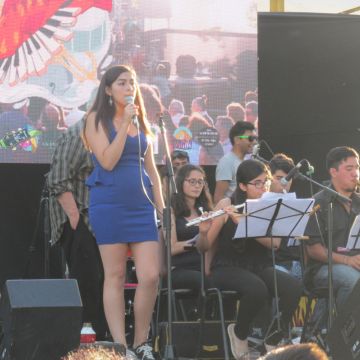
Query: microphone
[255, 151]
[292, 173]
[130, 100]
[255, 154]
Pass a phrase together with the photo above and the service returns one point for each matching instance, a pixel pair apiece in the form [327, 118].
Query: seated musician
[342, 164]
[243, 265]
[192, 199]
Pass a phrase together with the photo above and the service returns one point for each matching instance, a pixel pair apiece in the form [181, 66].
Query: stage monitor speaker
[42, 319]
[344, 336]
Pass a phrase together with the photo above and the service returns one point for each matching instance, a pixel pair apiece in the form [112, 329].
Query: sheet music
[354, 235]
[290, 220]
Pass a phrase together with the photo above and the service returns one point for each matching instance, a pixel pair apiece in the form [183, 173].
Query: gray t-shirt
[226, 170]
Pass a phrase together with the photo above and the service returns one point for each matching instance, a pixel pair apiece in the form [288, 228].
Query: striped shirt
[70, 166]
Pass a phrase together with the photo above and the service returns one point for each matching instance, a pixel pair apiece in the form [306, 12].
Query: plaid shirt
[70, 166]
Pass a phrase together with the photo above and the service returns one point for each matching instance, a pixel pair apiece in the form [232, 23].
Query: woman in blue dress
[125, 194]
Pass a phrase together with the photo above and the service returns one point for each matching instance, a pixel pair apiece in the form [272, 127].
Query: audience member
[223, 125]
[251, 113]
[199, 105]
[176, 111]
[235, 111]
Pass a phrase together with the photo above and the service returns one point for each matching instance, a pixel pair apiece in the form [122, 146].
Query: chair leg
[222, 321]
[306, 320]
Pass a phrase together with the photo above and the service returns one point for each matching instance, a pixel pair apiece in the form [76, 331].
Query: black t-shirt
[246, 253]
[189, 259]
[317, 227]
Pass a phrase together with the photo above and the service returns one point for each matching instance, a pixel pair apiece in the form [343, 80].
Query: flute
[212, 215]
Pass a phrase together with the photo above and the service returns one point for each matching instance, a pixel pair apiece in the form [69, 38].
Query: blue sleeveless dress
[119, 211]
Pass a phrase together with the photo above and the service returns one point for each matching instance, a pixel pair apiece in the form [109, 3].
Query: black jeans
[84, 263]
[254, 290]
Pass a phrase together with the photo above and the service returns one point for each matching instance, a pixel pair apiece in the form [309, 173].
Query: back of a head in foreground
[309, 351]
[93, 354]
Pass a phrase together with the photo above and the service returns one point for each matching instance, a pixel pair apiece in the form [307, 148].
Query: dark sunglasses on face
[251, 138]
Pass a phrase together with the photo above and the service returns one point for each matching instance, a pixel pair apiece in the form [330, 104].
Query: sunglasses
[251, 138]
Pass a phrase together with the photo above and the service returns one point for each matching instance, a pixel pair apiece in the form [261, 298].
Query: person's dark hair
[104, 112]
[179, 154]
[178, 200]
[247, 171]
[239, 129]
[201, 101]
[236, 111]
[339, 154]
[281, 162]
[309, 351]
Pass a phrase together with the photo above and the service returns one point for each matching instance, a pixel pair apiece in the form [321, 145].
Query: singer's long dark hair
[178, 201]
[247, 171]
[104, 112]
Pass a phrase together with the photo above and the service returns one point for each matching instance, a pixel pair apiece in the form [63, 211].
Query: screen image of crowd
[202, 82]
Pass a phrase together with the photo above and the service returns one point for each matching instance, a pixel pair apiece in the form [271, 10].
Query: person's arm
[66, 160]
[320, 253]
[266, 241]
[217, 222]
[108, 154]
[68, 203]
[151, 169]
[221, 187]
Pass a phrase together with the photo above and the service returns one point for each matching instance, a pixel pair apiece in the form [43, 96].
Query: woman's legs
[252, 290]
[114, 259]
[146, 257]
[289, 290]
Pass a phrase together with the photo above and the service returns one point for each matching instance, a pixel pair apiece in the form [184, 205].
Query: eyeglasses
[193, 182]
[251, 138]
[259, 184]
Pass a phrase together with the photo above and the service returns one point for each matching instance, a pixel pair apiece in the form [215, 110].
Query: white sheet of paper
[354, 231]
[290, 220]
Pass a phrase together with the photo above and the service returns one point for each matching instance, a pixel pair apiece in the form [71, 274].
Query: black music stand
[280, 216]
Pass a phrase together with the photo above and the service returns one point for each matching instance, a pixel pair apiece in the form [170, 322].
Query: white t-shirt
[226, 170]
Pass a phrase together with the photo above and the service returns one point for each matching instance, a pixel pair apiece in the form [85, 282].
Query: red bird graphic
[32, 32]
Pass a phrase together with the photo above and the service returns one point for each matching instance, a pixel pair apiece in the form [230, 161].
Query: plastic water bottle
[87, 334]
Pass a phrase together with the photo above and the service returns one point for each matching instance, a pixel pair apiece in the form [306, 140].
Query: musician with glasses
[242, 137]
[243, 265]
[193, 198]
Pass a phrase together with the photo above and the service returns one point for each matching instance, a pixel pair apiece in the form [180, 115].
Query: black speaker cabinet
[42, 319]
[344, 336]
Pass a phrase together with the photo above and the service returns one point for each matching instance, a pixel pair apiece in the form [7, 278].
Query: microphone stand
[335, 195]
[170, 350]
